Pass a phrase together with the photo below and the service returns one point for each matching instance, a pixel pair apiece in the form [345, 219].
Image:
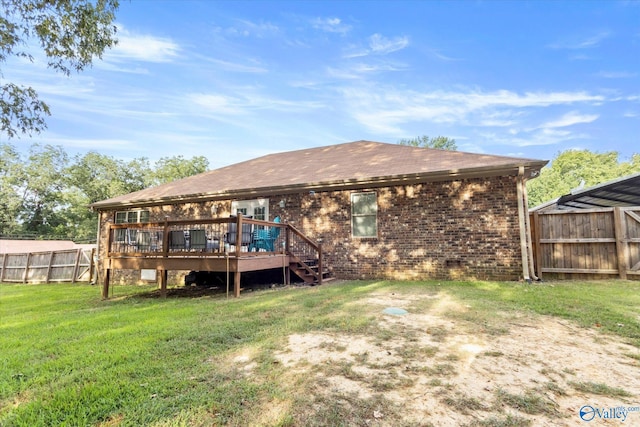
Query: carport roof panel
[623, 192]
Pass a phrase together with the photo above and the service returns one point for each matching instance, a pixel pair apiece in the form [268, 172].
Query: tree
[41, 191]
[93, 177]
[71, 33]
[11, 175]
[573, 168]
[46, 193]
[169, 169]
[439, 142]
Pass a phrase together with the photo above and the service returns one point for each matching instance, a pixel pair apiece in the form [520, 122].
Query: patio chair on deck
[231, 235]
[143, 241]
[176, 240]
[265, 238]
[198, 240]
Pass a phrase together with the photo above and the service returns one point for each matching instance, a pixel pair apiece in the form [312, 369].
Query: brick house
[379, 210]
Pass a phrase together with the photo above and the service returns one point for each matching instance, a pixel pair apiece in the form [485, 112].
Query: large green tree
[41, 189]
[439, 142]
[169, 169]
[11, 176]
[70, 33]
[573, 168]
[48, 193]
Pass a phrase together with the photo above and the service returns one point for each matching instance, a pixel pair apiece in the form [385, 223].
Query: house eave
[532, 169]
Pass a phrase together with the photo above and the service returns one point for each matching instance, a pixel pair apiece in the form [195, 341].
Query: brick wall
[454, 229]
[448, 230]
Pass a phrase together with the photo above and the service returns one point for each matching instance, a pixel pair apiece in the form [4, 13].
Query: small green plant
[506, 421]
[438, 333]
[530, 402]
[553, 387]
[599, 388]
[464, 404]
[441, 370]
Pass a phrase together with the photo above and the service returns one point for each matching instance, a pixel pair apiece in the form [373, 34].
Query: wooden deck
[211, 245]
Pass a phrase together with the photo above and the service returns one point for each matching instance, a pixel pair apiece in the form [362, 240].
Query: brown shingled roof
[350, 165]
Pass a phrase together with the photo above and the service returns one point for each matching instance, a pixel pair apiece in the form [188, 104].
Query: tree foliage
[70, 33]
[439, 142]
[173, 168]
[572, 168]
[48, 193]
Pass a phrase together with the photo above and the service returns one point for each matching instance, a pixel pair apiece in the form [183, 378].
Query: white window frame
[137, 216]
[249, 207]
[355, 215]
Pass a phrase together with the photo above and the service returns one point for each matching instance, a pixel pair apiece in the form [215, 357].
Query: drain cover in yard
[395, 310]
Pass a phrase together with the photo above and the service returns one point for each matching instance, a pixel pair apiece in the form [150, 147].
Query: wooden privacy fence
[589, 243]
[73, 265]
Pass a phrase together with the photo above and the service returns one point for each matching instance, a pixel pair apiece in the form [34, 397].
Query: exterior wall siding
[443, 230]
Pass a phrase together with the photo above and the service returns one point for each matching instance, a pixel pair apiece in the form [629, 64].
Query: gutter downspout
[523, 229]
[527, 222]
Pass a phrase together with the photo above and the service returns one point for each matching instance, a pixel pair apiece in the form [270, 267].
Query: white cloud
[616, 74]
[331, 25]
[569, 119]
[382, 45]
[386, 110]
[234, 66]
[141, 47]
[585, 42]
[218, 104]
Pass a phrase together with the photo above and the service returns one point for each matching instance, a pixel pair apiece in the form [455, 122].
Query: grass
[599, 388]
[531, 402]
[69, 358]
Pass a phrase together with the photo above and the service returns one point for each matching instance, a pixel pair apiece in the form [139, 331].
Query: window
[259, 213]
[127, 217]
[257, 208]
[364, 215]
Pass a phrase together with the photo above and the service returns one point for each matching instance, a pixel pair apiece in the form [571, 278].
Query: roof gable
[348, 165]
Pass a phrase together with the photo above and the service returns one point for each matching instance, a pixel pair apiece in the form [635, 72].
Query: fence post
[48, 279]
[621, 244]
[4, 267]
[75, 267]
[26, 268]
[92, 265]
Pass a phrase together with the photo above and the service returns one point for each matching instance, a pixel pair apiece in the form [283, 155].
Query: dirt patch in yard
[441, 364]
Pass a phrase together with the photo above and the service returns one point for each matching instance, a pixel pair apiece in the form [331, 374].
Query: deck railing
[211, 238]
[209, 245]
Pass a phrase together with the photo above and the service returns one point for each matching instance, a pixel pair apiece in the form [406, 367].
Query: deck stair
[308, 271]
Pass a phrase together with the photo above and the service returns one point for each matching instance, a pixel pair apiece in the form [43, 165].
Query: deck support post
[163, 282]
[105, 284]
[320, 263]
[236, 284]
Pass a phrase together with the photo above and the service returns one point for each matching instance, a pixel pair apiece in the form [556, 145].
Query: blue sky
[235, 80]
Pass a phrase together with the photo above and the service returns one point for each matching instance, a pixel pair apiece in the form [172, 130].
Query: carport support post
[621, 244]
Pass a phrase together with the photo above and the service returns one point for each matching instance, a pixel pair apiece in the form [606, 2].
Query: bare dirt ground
[439, 365]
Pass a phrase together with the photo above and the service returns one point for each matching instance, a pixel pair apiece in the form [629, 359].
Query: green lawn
[68, 358]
